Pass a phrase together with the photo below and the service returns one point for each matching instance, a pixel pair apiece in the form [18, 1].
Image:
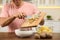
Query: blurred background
[51, 7]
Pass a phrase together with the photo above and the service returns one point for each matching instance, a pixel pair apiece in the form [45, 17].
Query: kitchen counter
[12, 36]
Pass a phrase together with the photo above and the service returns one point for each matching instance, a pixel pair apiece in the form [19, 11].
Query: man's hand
[7, 21]
[20, 15]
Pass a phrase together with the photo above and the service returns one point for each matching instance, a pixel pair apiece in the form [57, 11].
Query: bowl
[20, 33]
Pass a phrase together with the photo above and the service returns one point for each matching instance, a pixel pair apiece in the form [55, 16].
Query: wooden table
[12, 36]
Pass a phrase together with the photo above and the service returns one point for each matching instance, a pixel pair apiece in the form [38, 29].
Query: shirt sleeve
[4, 12]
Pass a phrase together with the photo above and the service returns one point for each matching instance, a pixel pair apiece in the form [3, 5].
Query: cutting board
[35, 22]
[30, 24]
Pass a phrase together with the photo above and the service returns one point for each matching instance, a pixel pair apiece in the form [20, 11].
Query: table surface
[12, 36]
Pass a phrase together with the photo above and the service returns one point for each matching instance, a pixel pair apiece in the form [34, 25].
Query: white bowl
[20, 33]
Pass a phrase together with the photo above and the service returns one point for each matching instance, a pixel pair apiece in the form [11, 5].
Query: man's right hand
[20, 15]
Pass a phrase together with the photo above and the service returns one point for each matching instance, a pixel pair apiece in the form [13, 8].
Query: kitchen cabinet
[45, 2]
[39, 2]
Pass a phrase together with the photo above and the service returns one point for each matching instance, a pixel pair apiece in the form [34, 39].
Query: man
[14, 14]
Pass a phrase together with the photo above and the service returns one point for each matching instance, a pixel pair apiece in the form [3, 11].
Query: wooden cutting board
[30, 24]
[33, 23]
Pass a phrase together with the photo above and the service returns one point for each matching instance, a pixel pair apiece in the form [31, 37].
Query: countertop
[12, 36]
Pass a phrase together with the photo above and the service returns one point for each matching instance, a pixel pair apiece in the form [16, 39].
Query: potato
[49, 35]
[43, 35]
[37, 36]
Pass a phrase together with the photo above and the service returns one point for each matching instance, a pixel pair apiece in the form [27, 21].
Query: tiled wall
[55, 25]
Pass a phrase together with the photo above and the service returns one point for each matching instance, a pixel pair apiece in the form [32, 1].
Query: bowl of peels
[24, 33]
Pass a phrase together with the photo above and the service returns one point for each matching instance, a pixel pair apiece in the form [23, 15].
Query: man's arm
[6, 21]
